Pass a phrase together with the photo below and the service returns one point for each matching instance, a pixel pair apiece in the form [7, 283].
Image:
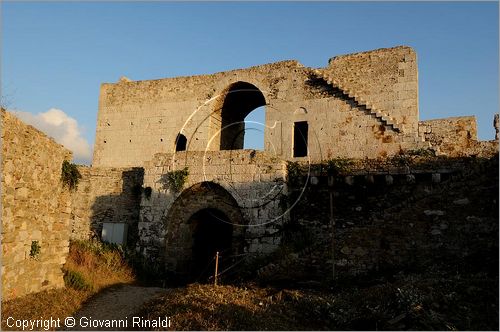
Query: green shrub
[174, 180]
[35, 249]
[96, 247]
[76, 280]
[70, 176]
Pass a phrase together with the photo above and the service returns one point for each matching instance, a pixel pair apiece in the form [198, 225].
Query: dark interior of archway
[212, 232]
[180, 142]
[241, 99]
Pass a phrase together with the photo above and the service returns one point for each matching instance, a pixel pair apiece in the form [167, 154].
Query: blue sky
[55, 55]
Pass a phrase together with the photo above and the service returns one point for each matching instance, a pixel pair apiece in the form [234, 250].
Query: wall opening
[254, 129]
[212, 232]
[180, 143]
[300, 130]
[239, 100]
[195, 227]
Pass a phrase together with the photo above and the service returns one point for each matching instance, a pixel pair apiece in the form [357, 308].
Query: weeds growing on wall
[401, 159]
[411, 157]
[70, 176]
[338, 166]
[174, 180]
[35, 250]
[145, 269]
[422, 152]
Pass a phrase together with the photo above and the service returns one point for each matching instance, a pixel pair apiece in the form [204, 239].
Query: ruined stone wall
[338, 127]
[456, 136]
[386, 78]
[440, 211]
[105, 195]
[138, 119]
[253, 179]
[35, 207]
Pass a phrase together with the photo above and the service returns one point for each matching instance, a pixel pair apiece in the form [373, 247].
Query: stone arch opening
[235, 104]
[180, 142]
[205, 217]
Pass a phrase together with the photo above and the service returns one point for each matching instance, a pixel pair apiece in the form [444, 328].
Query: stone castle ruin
[360, 105]
[169, 161]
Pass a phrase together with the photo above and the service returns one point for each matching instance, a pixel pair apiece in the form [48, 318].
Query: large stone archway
[205, 217]
[227, 121]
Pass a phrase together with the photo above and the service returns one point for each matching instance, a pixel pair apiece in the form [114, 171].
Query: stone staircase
[379, 114]
[382, 116]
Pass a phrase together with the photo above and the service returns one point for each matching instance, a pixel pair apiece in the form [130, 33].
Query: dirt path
[113, 304]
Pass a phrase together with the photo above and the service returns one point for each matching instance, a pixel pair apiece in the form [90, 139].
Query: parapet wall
[35, 207]
[456, 136]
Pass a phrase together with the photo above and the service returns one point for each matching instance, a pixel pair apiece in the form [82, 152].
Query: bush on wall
[70, 176]
[174, 180]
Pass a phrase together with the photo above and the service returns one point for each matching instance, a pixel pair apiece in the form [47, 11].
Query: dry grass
[205, 307]
[99, 265]
[53, 303]
[432, 301]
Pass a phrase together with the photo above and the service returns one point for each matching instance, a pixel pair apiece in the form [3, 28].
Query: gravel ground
[112, 306]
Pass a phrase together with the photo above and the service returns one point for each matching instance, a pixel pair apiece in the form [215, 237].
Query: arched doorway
[212, 232]
[204, 218]
[235, 104]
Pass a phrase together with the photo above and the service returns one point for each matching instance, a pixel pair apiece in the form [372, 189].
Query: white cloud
[63, 128]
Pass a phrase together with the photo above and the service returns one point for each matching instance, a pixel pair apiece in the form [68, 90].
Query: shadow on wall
[385, 224]
[122, 207]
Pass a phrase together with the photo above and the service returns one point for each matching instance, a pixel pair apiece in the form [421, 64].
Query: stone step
[377, 113]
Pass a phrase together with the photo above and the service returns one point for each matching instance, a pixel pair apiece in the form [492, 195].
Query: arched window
[254, 129]
[233, 119]
[180, 142]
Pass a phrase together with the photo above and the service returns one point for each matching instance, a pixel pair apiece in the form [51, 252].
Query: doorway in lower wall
[212, 233]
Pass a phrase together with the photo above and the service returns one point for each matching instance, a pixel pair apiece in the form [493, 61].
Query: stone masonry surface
[35, 207]
[385, 78]
[392, 220]
[105, 195]
[376, 94]
[252, 180]
[456, 136]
